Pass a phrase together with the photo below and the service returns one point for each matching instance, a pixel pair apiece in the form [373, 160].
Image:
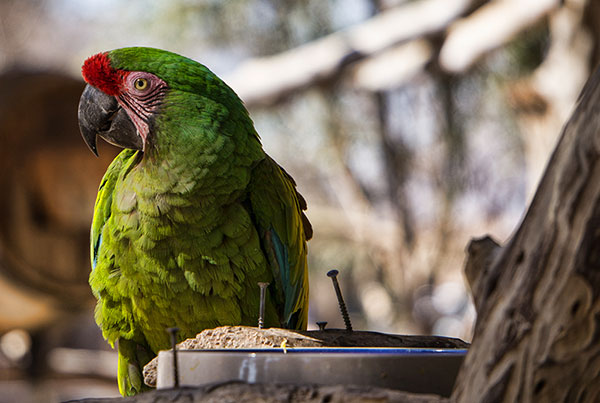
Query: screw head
[321, 325]
[332, 273]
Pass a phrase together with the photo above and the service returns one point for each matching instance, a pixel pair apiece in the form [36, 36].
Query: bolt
[338, 292]
[321, 325]
[173, 332]
[261, 308]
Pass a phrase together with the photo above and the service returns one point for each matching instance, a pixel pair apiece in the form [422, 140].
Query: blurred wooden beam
[264, 80]
[489, 27]
[392, 68]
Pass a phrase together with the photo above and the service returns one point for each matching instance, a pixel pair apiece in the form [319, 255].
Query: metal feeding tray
[417, 370]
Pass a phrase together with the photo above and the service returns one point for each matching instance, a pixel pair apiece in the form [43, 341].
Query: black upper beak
[101, 114]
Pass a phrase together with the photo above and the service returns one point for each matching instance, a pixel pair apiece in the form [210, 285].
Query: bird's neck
[217, 170]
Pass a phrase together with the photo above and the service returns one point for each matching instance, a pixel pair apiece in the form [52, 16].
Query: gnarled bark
[537, 336]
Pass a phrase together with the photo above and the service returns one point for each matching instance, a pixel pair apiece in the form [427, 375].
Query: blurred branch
[489, 27]
[397, 162]
[264, 80]
[392, 67]
[350, 195]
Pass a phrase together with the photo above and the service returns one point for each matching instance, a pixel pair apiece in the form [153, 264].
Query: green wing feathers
[277, 208]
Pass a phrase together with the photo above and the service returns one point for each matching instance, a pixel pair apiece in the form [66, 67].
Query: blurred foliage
[529, 49]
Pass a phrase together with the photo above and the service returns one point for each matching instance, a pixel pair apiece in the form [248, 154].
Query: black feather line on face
[153, 96]
[133, 107]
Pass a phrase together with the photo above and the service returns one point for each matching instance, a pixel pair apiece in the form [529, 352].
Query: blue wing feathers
[282, 258]
[96, 248]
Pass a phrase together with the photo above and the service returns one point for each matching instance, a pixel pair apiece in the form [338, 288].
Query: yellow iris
[140, 84]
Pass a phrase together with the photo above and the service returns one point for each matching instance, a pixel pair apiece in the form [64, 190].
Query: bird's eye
[140, 84]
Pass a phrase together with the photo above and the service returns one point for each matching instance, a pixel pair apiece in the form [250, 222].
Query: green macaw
[191, 215]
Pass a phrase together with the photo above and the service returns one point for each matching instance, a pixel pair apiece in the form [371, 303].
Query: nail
[261, 308]
[173, 332]
[321, 325]
[338, 292]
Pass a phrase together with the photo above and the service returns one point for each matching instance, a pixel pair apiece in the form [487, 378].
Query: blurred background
[410, 127]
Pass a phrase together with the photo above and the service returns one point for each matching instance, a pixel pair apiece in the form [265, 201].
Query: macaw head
[128, 89]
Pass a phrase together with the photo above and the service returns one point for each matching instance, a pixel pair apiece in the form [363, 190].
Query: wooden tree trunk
[537, 336]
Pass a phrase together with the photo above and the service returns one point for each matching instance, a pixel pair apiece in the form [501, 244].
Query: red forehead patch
[98, 72]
